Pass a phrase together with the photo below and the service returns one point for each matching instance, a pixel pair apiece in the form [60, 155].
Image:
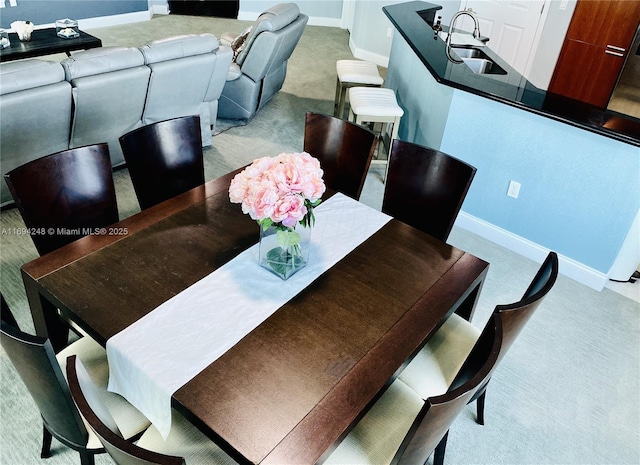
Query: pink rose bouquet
[280, 193]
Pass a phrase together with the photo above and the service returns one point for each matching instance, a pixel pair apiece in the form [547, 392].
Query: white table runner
[162, 351]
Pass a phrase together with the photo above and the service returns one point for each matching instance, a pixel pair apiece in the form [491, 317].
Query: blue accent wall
[580, 191]
[48, 11]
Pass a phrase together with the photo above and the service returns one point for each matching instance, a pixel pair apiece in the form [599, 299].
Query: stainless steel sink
[470, 52]
[478, 61]
[483, 66]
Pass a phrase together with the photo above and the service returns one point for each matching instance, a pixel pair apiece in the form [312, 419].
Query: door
[511, 26]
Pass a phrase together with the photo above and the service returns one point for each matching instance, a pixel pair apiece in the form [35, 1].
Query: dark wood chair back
[513, 318]
[429, 431]
[121, 451]
[35, 362]
[344, 150]
[6, 314]
[425, 188]
[65, 196]
[164, 159]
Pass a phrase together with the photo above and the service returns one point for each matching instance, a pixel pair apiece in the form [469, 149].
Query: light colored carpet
[567, 391]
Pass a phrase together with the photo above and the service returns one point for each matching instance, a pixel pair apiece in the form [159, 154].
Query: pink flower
[280, 188]
[238, 187]
[289, 210]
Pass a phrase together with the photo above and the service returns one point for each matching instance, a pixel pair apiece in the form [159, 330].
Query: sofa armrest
[234, 72]
[227, 38]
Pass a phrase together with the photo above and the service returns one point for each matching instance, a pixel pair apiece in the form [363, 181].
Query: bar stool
[353, 73]
[377, 105]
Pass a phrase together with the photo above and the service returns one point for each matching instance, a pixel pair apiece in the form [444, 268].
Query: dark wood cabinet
[594, 50]
[219, 8]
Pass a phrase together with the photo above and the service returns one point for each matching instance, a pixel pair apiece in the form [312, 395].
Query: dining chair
[43, 374]
[65, 196]
[425, 188]
[401, 428]
[444, 361]
[164, 159]
[344, 150]
[6, 315]
[184, 445]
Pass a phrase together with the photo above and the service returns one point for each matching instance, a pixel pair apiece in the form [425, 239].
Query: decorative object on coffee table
[67, 28]
[4, 39]
[23, 29]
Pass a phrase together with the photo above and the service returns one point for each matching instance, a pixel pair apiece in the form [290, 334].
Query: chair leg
[480, 407]
[45, 453]
[86, 458]
[438, 454]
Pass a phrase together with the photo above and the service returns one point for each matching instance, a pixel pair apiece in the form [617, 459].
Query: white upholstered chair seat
[185, 440]
[435, 367]
[378, 435]
[129, 420]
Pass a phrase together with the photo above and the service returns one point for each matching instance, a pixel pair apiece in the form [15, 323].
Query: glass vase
[284, 251]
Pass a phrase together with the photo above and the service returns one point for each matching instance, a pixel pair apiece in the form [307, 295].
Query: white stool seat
[374, 102]
[358, 72]
[377, 105]
[353, 73]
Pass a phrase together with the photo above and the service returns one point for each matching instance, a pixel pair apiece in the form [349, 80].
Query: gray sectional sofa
[100, 94]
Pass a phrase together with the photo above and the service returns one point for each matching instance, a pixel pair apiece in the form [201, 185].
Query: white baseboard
[568, 267]
[380, 60]
[327, 22]
[160, 9]
[114, 20]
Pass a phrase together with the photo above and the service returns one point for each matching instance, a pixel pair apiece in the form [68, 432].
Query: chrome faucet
[468, 12]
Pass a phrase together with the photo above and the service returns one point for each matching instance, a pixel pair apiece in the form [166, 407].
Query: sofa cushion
[35, 111]
[27, 74]
[109, 91]
[179, 47]
[234, 72]
[187, 73]
[101, 60]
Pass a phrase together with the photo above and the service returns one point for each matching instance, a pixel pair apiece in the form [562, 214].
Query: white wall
[550, 43]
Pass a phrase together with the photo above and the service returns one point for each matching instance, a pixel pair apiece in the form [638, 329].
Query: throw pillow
[238, 43]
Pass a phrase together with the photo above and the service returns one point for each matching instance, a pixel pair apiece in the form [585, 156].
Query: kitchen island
[578, 167]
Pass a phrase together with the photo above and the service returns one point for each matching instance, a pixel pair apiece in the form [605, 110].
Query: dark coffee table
[46, 42]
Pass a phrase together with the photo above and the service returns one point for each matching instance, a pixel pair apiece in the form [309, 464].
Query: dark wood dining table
[295, 385]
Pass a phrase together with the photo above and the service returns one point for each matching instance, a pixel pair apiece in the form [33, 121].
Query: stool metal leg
[343, 99]
[336, 102]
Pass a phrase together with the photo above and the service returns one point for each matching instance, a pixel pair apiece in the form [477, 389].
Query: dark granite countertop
[410, 19]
